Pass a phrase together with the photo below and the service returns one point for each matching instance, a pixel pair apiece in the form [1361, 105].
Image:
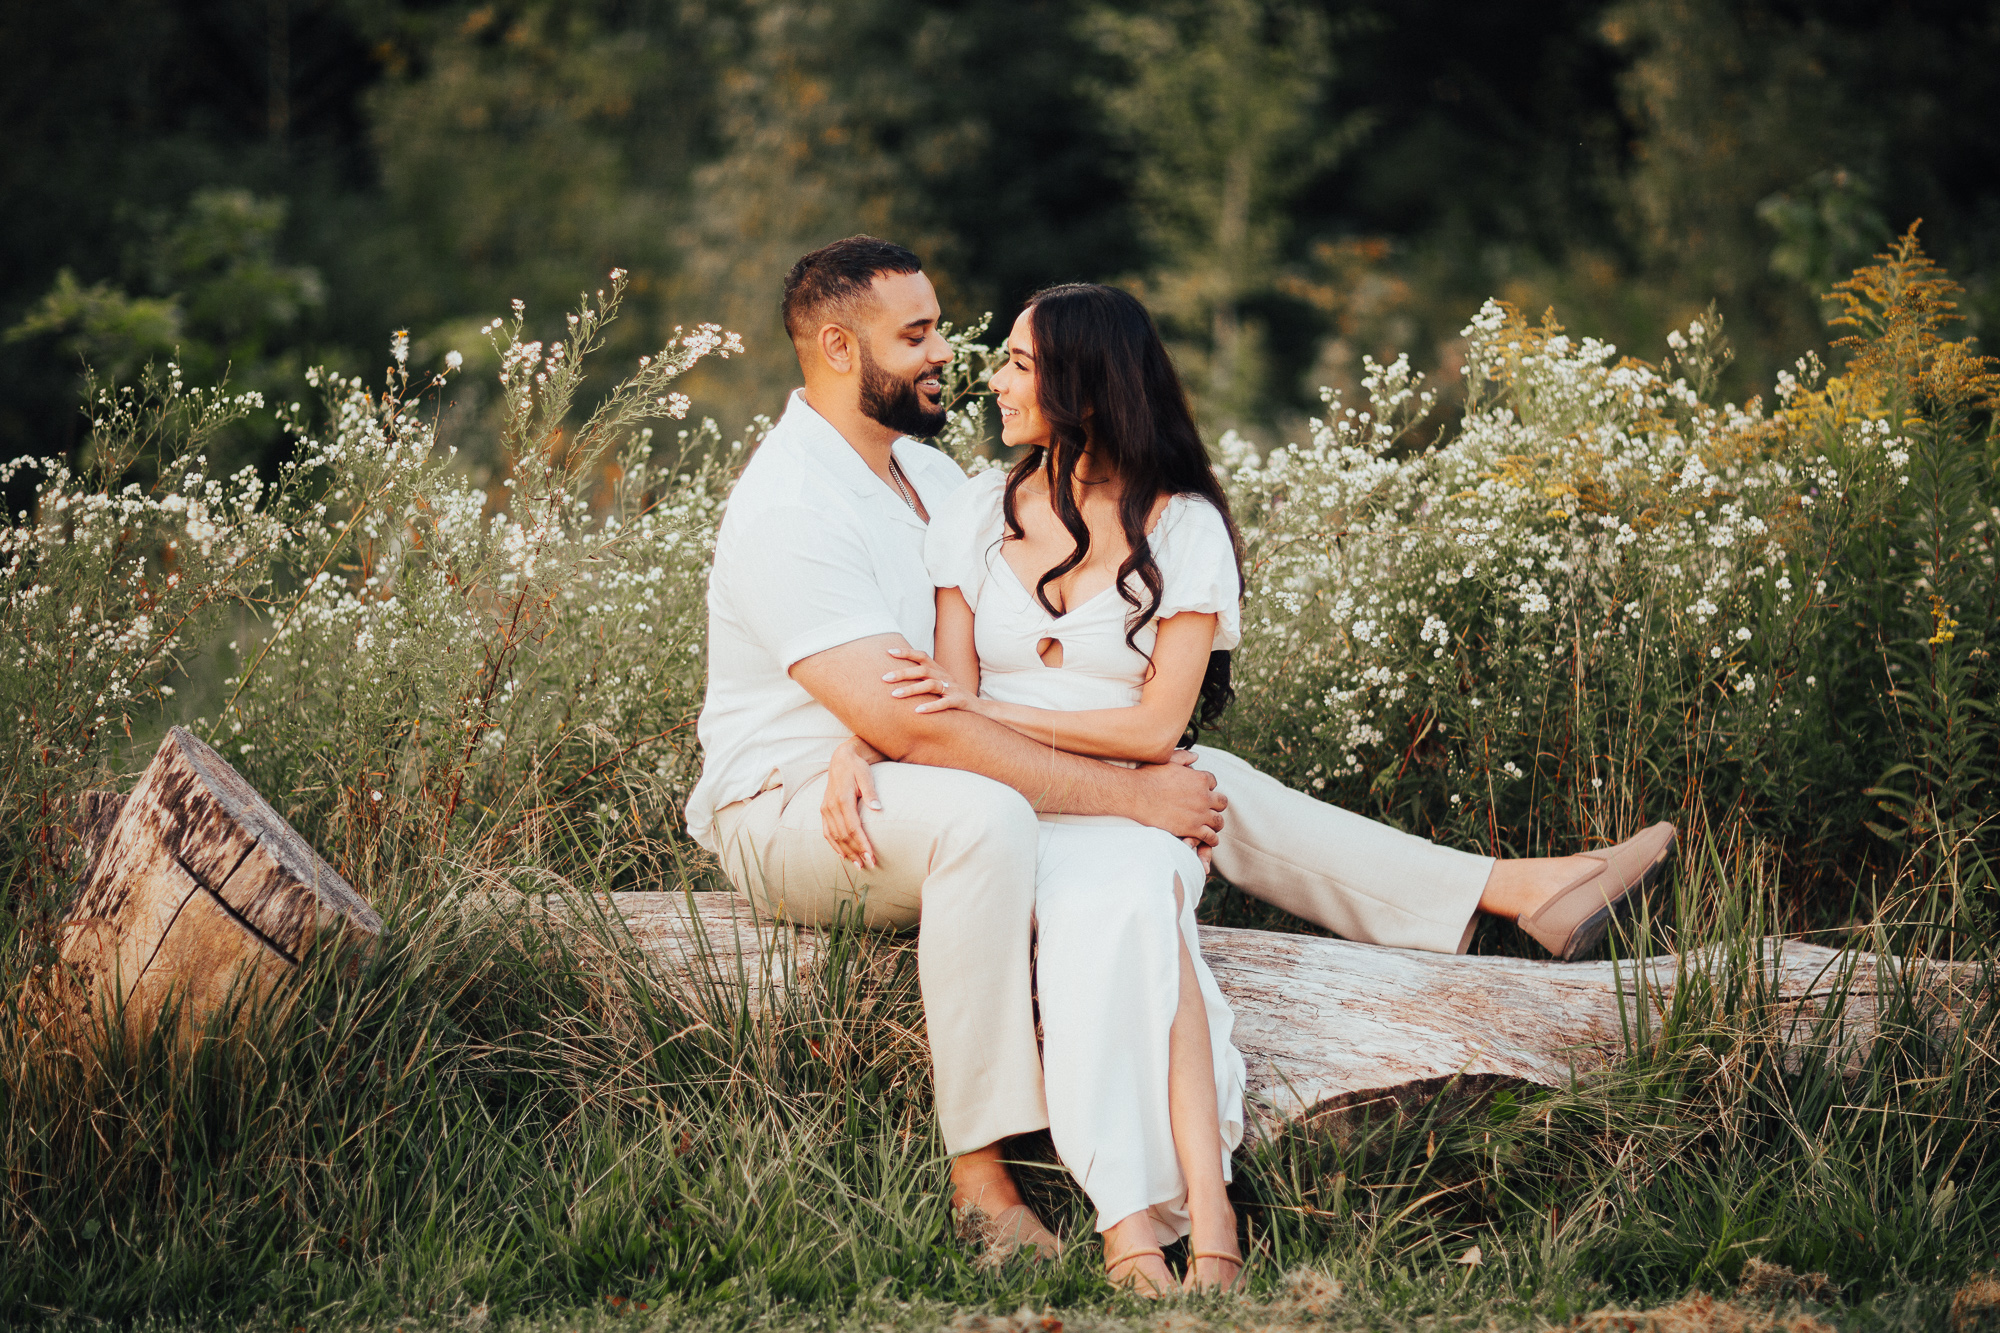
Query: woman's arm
[1145, 732]
[956, 651]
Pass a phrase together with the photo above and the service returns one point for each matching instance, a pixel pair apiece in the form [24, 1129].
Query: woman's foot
[1142, 1271]
[1213, 1270]
[1576, 917]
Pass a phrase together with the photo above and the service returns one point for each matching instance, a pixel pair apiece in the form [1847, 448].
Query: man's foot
[1001, 1234]
[1213, 1270]
[1575, 918]
[1142, 1271]
[989, 1205]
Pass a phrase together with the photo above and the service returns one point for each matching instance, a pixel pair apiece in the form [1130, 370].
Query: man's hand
[1182, 800]
[848, 786]
[848, 681]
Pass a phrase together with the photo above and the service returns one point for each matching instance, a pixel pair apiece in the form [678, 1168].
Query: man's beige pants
[955, 855]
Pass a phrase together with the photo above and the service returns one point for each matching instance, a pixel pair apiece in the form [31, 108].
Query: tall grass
[478, 703]
[1602, 596]
[508, 1106]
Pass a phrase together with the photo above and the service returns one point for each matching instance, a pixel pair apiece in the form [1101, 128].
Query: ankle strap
[1236, 1259]
[1129, 1255]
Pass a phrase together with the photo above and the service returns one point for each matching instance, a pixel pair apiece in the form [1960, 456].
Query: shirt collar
[821, 442]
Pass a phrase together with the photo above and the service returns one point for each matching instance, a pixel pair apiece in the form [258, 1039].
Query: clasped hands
[849, 783]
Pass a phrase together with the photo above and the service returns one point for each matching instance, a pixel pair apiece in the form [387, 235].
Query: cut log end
[199, 891]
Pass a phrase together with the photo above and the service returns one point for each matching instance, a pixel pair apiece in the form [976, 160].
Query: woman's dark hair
[1105, 383]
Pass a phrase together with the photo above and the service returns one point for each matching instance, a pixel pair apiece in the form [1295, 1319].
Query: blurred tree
[214, 295]
[823, 129]
[1494, 133]
[1775, 146]
[1221, 109]
[958, 129]
[1825, 230]
[102, 326]
[1625, 159]
[524, 150]
[1731, 106]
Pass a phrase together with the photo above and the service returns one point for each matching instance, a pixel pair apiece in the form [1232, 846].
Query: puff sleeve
[1198, 567]
[962, 532]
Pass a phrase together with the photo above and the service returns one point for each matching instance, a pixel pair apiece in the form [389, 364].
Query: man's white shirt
[814, 551]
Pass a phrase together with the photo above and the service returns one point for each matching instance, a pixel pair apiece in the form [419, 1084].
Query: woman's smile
[1014, 392]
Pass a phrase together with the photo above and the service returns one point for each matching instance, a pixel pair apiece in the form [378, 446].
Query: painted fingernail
[874, 805]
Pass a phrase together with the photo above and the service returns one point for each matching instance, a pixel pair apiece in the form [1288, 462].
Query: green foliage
[102, 325]
[1602, 597]
[223, 303]
[504, 1110]
[1824, 229]
[520, 145]
[106, 584]
[1218, 108]
[1624, 159]
[1736, 1131]
[1605, 598]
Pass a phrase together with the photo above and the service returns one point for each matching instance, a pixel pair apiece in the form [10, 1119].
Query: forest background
[271, 184]
[1573, 589]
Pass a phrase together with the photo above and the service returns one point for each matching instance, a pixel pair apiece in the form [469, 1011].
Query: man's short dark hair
[827, 283]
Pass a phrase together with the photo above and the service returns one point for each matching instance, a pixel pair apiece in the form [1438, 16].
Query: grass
[495, 1119]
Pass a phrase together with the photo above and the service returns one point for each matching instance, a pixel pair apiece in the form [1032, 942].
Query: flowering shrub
[1603, 597]
[457, 670]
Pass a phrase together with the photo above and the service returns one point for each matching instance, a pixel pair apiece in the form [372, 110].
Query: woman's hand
[925, 676]
[848, 784]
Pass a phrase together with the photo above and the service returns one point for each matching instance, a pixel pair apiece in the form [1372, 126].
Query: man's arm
[848, 681]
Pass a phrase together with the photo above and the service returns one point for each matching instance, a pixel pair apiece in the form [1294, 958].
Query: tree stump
[1328, 1025]
[200, 895]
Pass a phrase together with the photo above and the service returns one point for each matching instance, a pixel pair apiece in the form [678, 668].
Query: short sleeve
[962, 533]
[1198, 567]
[797, 588]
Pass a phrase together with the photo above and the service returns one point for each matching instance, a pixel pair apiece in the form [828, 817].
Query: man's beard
[896, 403]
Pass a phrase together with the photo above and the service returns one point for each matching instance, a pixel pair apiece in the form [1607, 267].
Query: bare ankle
[980, 1179]
[1516, 888]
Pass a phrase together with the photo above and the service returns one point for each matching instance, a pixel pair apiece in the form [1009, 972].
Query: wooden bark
[1329, 1025]
[199, 894]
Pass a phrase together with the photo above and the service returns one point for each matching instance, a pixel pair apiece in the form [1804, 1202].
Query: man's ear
[837, 345]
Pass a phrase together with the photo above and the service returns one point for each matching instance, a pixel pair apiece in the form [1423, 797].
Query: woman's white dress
[1107, 929]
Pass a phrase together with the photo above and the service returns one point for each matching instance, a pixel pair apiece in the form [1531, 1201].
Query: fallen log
[1328, 1025]
[199, 894]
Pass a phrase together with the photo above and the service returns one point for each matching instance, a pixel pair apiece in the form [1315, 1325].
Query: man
[819, 573]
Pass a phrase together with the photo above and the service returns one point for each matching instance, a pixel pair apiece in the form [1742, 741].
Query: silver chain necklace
[896, 477]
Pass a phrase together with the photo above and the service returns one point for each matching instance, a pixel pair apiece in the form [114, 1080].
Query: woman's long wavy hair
[1105, 385]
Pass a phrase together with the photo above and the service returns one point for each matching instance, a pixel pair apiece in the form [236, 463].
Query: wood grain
[200, 894]
[1327, 1024]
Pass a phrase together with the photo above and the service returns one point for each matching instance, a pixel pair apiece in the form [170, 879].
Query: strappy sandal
[1151, 1290]
[1189, 1283]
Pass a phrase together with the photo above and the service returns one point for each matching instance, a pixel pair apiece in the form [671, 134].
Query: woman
[1092, 592]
